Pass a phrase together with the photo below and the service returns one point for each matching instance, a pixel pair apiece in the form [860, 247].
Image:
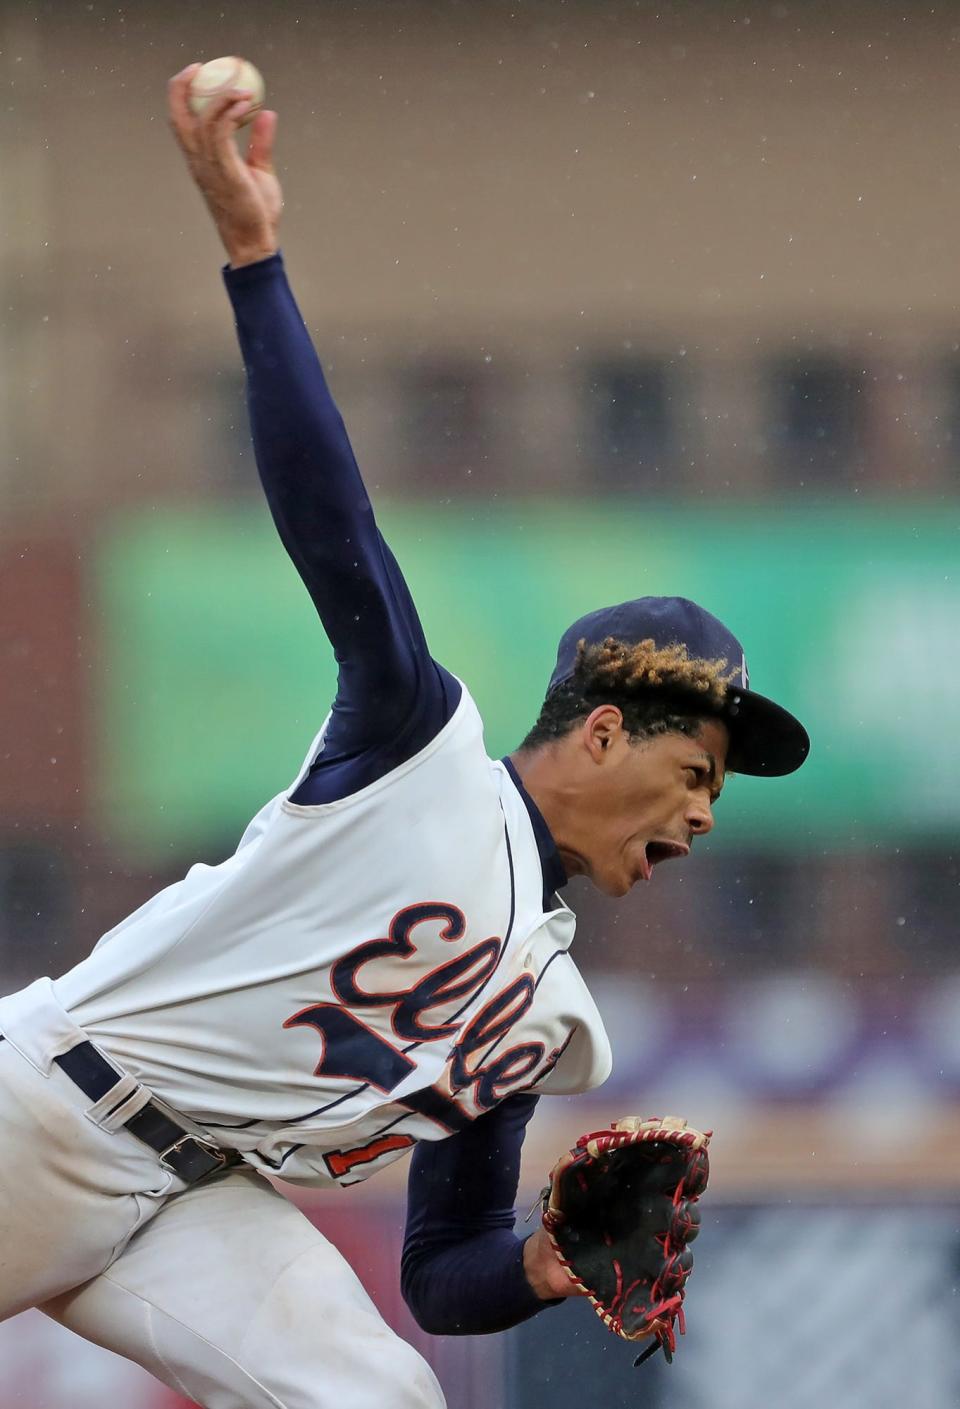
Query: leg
[70, 1193]
[231, 1297]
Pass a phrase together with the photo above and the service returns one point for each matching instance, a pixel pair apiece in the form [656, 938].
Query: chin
[614, 886]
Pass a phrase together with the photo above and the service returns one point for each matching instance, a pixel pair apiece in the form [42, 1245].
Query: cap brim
[765, 740]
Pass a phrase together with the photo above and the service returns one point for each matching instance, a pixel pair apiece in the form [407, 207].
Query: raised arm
[390, 693]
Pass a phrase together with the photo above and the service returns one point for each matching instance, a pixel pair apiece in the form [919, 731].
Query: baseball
[219, 76]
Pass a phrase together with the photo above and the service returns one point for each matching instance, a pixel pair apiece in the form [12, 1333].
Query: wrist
[240, 255]
[547, 1278]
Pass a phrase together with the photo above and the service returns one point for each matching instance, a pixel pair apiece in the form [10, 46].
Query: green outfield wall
[216, 672]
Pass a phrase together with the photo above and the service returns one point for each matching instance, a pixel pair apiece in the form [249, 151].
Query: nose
[700, 816]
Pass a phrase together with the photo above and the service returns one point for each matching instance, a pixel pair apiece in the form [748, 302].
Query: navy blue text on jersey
[479, 1062]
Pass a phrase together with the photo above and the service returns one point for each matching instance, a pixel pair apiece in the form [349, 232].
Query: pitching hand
[242, 193]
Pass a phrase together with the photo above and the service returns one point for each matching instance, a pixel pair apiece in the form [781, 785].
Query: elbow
[413, 1286]
[424, 1300]
[436, 1324]
[432, 1324]
[415, 1305]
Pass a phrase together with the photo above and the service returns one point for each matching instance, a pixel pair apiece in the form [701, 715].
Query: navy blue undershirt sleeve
[392, 698]
[462, 1267]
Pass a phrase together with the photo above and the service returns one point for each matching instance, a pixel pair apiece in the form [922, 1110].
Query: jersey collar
[554, 871]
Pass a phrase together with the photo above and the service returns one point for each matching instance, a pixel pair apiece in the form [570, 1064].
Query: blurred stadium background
[616, 298]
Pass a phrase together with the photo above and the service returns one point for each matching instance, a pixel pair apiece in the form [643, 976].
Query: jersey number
[341, 1162]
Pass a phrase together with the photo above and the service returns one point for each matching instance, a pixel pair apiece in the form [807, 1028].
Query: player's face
[648, 802]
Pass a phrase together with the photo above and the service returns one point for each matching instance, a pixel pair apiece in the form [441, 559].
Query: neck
[556, 800]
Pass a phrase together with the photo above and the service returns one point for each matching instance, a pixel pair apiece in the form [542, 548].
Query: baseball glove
[620, 1210]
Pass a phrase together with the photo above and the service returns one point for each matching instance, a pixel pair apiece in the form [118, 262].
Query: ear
[600, 731]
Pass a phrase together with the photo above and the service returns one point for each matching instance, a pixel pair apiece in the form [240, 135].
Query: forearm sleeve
[323, 516]
[462, 1268]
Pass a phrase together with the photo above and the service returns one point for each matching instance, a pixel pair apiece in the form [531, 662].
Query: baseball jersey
[360, 974]
[383, 960]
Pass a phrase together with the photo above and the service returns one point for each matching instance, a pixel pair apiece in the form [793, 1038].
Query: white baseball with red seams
[219, 76]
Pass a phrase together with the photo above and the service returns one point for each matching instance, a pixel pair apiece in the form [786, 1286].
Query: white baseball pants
[224, 1291]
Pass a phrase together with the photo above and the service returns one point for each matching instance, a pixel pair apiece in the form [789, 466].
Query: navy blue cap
[765, 740]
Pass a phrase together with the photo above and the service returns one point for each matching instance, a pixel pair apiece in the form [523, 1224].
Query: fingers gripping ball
[620, 1211]
[220, 76]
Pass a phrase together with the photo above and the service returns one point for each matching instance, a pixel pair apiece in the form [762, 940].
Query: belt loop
[119, 1105]
[121, 1090]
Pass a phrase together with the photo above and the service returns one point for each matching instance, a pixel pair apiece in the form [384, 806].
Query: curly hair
[658, 690]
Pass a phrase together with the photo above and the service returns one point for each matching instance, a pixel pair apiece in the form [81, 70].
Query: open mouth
[657, 851]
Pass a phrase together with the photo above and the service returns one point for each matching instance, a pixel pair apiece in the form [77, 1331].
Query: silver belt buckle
[207, 1146]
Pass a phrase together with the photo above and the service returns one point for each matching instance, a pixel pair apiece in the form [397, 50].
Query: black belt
[189, 1156]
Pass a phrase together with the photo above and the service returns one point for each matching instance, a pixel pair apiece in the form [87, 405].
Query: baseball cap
[765, 739]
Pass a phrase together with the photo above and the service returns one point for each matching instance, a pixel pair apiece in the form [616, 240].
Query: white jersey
[359, 975]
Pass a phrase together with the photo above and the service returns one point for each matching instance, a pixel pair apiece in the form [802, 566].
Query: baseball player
[383, 966]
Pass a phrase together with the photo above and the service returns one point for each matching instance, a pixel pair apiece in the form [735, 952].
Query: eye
[700, 778]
